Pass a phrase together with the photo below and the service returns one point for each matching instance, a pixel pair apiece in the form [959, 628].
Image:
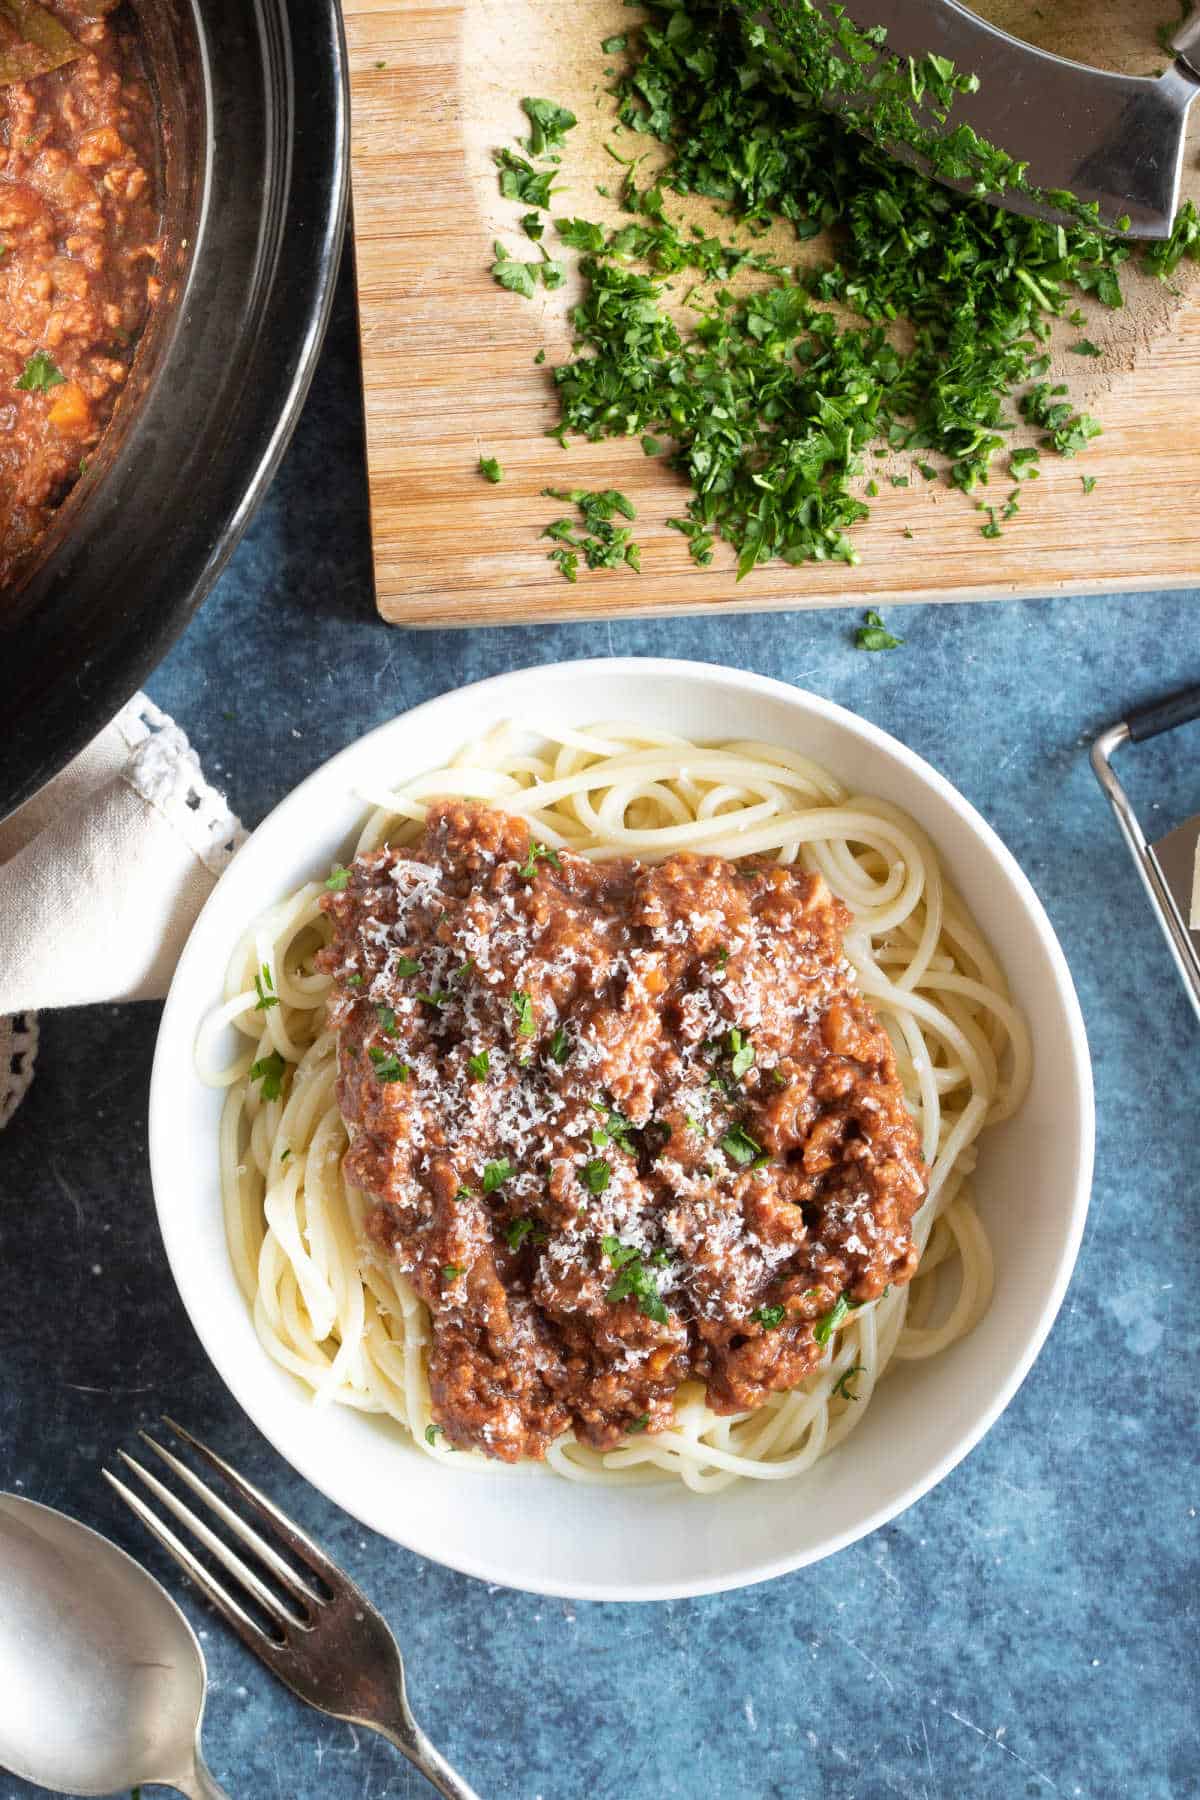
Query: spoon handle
[200, 1785]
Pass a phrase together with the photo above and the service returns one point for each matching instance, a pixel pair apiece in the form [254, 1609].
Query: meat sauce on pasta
[623, 1125]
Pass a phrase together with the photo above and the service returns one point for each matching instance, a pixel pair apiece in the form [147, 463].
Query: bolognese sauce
[79, 224]
[621, 1125]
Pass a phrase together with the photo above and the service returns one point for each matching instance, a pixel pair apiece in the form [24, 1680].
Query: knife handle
[1163, 715]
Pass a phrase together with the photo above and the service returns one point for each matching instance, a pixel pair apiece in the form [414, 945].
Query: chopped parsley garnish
[519, 180]
[406, 966]
[612, 46]
[1164, 257]
[451, 1272]
[436, 999]
[741, 1052]
[387, 1017]
[479, 1065]
[268, 1072]
[264, 987]
[285, 1153]
[559, 1049]
[616, 1126]
[523, 1007]
[873, 634]
[638, 1424]
[495, 1174]
[581, 234]
[840, 1387]
[337, 879]
[432, 1433]
[768, 1316]
[825, 1328]
[538, 853]
[720, 957]
[633, 1280]
[1085, 347]
[768, 400]
[40, 373]
[740, 1147]
[593, 536]
[517, 277]
[1069, 431]
[490, 469]
[388, 1067]
[354, 981]
[516, 1232]
[596, 1175]
[548, 124]
[1089, 482]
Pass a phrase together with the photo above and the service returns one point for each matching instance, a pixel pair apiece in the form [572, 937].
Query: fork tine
[250, 1633]
[271, 1559]
[297, 1541]
[241, 1573]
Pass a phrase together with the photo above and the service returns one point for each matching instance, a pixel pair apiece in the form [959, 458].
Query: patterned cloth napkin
[102, 874]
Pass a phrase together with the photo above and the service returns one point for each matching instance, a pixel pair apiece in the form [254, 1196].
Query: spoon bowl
[102, 1680]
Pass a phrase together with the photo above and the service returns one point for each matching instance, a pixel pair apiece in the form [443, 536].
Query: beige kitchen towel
[104, 871]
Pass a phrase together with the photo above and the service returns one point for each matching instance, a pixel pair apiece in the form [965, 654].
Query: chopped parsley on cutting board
[923, 327]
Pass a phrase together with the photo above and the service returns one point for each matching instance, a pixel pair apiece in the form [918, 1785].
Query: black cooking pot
[255, 111]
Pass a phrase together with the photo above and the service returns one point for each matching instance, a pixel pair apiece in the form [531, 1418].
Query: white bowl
[524, 1527]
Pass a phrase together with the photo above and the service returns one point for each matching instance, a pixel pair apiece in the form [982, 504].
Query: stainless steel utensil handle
[1163, 715]
[424, 1756]
[200, 1785]
[1153, 719]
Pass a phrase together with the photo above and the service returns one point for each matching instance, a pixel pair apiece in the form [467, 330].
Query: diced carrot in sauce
[103, 145]
[69, 410]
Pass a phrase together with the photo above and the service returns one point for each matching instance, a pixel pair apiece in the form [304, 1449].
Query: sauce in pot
[79, 246]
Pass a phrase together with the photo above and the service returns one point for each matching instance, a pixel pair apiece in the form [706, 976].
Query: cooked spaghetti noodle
[328, 1307]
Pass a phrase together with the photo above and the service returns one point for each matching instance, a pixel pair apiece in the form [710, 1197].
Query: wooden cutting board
[449, 374]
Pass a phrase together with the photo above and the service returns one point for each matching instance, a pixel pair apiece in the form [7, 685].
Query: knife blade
[1113, 141]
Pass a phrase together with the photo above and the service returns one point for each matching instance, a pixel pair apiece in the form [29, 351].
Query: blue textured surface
[1030, 1627]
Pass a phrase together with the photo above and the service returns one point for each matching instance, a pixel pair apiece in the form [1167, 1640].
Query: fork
[333, 1649]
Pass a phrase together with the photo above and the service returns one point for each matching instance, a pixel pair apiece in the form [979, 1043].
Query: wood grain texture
[449, 375]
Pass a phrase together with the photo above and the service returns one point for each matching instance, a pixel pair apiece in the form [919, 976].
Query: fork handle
[429, 1760]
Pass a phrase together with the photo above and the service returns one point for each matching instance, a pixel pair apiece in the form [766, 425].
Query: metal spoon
[102, 1681]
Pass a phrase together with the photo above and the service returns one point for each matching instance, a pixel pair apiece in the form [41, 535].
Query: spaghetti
[330, 1310]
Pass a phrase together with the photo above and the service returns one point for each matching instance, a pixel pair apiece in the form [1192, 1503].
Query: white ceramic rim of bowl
[189, 1236]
